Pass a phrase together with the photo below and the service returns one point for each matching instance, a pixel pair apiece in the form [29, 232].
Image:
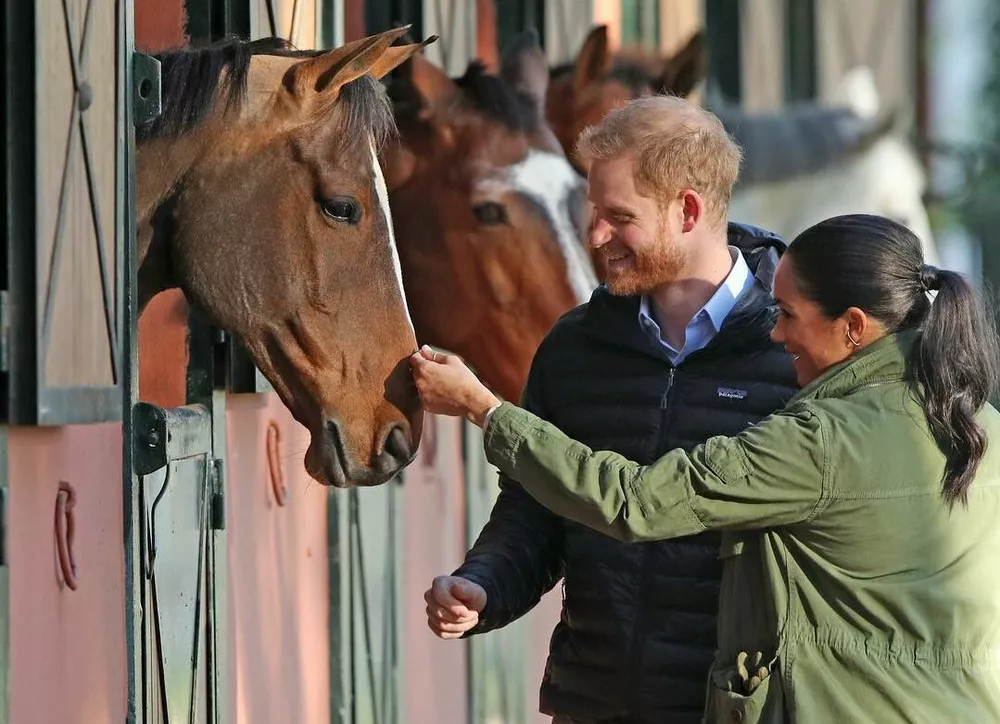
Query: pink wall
[67, 647]
[278, 599]
[435, 688]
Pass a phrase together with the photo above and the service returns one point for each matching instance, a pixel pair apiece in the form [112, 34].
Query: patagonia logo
[731, 392]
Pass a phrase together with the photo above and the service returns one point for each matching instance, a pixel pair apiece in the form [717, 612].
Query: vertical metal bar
[722, 26]
[294, 32]
[353, 576]
[357, 547]
[206, 386]
[201, 585]
[474, 662]
[395, 682]
[218, 574]
[134, 524]
[800, 50]
[270, 18]
[21, 214]
[338, 560]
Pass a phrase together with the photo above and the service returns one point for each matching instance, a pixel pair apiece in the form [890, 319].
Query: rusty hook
[65, 530]
[274, 462]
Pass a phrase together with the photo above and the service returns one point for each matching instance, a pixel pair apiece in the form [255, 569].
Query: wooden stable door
[61, 313]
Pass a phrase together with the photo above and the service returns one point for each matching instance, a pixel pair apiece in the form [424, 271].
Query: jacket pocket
[735, 700]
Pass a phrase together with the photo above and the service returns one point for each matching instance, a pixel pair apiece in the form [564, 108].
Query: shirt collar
[722, 302]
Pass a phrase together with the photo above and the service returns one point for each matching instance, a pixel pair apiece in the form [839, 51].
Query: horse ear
[593, 60]
[525, 67]
[431, 84]
[325, 74]
[686, 69]
[396, 55]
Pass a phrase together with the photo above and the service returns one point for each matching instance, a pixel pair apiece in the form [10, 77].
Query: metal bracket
[166, 434]
[146, 100]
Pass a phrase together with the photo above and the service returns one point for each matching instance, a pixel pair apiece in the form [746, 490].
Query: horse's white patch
[887, 179]
[549, 180]
[383, 201]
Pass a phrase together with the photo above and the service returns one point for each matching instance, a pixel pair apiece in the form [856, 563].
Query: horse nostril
[332, 430]
[397, 444]
[333, 434]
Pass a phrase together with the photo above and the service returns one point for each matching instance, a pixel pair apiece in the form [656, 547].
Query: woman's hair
[876, 265]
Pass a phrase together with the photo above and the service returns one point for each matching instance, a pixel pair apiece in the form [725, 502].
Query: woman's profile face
[815, 341]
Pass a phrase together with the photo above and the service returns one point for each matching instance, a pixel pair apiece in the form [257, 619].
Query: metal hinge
[146, 101]
[4, 332]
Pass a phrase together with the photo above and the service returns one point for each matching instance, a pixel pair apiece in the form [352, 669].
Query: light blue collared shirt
[707, 322]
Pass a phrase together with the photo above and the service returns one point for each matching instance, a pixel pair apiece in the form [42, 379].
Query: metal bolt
[153, 437]
[85, 96]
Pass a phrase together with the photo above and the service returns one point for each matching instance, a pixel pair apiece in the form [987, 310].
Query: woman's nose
[776, 336]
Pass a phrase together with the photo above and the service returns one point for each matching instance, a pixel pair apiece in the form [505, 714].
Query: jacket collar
[885, 360]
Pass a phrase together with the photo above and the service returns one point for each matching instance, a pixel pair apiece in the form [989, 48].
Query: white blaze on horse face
[549, 180]
[383, 202]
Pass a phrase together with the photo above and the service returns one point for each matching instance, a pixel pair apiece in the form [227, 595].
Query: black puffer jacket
[637, 634]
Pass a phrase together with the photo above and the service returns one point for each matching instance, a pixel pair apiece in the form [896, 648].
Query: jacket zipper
[870, 385]
[645, 563]
[664, 403]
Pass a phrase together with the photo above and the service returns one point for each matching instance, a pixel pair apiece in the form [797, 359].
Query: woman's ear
[859, 329]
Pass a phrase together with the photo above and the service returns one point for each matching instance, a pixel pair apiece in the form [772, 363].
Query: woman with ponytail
[861, 524]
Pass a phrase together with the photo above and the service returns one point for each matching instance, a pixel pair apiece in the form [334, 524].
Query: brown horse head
[488, 210]
[261, 197]
[581, 93]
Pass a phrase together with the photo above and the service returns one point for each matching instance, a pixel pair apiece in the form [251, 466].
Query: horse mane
[190, 77]
[479, 91]
[496, 98]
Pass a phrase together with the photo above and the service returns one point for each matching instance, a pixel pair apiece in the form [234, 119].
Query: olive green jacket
[852, 591]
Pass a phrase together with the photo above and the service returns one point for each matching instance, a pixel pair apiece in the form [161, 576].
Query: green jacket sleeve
[771, 474]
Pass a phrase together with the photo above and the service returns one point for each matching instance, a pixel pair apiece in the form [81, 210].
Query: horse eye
[342, 209]
[490, 213]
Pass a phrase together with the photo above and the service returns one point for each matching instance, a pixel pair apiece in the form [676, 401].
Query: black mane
[190, 77]
[494, 97]
[482, 92]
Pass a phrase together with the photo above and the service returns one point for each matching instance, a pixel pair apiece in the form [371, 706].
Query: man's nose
[600, 233]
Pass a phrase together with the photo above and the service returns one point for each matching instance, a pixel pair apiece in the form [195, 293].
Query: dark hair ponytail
[877, 265]
[955, 362]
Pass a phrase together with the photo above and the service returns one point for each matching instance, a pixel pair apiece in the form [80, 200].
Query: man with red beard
[673, 349]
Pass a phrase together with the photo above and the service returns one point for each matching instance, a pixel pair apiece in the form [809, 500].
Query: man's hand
[448, 387]
[453, 606]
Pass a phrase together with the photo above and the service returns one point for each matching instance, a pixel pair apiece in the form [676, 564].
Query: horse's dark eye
[342, 209]
[490, 213]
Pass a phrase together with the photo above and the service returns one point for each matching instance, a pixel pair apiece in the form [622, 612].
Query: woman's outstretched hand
[448, 387]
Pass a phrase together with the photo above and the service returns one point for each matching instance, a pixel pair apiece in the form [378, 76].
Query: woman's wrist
[481, 407]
